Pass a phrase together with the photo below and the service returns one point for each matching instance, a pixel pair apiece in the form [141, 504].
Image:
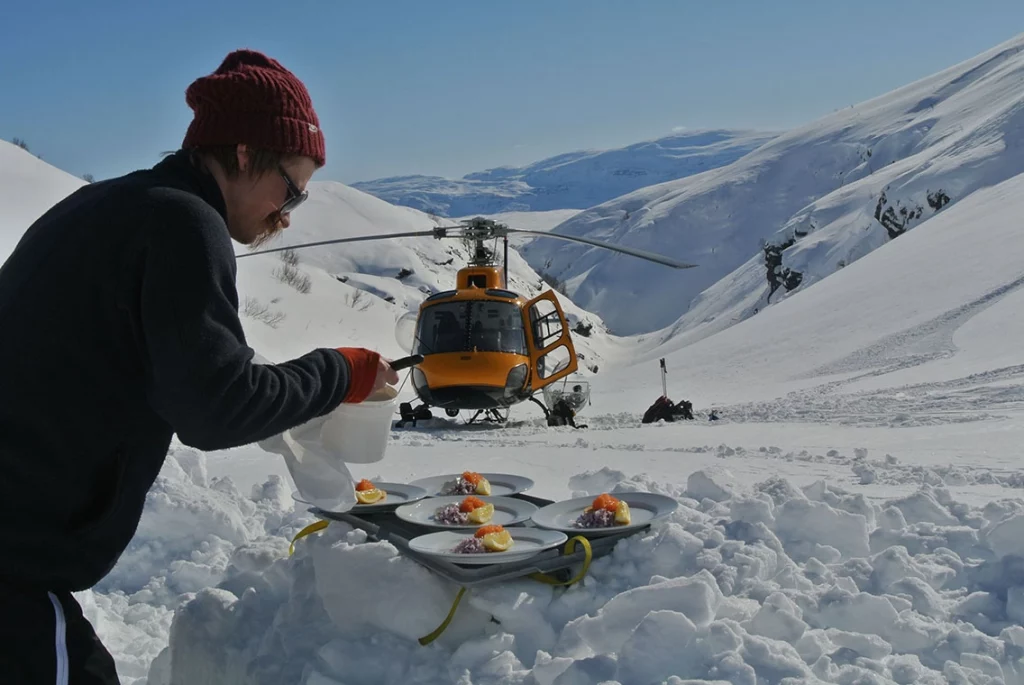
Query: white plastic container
[358, 433]
[317, 451]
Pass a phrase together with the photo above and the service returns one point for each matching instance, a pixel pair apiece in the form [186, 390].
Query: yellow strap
[436, 633]
[311, 528]
[570, 547]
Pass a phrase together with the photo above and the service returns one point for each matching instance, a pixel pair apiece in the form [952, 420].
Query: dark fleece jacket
[119, 327]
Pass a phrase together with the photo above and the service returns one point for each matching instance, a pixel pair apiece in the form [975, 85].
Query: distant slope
[28, 187]
[576, 180]
[927, 314]
[838, 188]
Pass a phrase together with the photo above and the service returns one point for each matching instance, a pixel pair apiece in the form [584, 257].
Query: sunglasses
[295, 196]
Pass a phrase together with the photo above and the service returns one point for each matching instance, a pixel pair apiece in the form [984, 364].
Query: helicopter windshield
[471, 326]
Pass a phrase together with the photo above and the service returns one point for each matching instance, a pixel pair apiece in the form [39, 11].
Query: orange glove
[363, 364]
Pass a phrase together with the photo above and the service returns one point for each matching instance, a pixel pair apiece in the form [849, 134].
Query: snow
[855, 516]
[575, 180]
[819, 185]
[28, 187]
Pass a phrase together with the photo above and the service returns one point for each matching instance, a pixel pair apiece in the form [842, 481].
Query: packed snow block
[672, 552]
[370, 587]
[983, 664]
[520, 607]
[892, 519]
[273, 492]
[924, 538]
[864, 473]
[924, 599]
[697, 598]
[657, 649]
[922, 507]
[813, 645]
[752, 509]
[489, 655]
[984, 610]
[199, 637]
[779, 619]
[595, 669]
[997, 575]
[1015, 604]
[186, 534]
[816, 522]
[895, 564]
[766, 656]
[860, 612]
[593, 483]
[837, 498]
[714, 483]
[779, 490]
[1006, 538]
[193, 463]
[868, 646]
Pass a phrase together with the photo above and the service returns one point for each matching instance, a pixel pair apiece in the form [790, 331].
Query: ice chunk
[817, 522]
[714, 483]
[657, 649]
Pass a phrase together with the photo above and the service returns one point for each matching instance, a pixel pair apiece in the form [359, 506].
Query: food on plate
[493, 538]
[368, 493]
[470, 510]
[469, 483]
[604, 512]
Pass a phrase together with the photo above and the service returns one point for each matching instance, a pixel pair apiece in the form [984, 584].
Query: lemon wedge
[622, 513]
[371, 496]
[481, 514]
[497, 542]
[483, 487]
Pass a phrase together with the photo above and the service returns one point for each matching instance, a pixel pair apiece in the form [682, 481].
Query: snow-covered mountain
[802, 206]
[28, 187]
[575, 180]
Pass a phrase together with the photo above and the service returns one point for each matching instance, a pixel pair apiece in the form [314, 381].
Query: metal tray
[385, 526]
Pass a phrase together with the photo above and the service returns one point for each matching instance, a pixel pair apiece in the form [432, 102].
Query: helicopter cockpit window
[471, 326]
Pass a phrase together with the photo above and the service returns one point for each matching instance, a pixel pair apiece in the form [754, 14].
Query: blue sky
[449, 86]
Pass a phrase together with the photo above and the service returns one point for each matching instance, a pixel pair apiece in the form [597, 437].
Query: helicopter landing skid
[491, 415]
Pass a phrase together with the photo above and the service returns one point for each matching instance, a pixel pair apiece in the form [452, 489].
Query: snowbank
[743, 584]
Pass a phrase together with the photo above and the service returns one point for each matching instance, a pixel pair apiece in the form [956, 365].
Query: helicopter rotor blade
[643, 254]
[438, 232]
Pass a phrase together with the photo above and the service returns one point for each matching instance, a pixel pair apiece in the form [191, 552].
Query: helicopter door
[552, 355]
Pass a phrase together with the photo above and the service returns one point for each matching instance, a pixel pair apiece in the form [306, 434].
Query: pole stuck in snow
[664, 378]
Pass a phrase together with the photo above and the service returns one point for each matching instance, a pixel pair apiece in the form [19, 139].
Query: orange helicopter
[481, 346]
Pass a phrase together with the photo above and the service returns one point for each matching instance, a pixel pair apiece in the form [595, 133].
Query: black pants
[45, 640]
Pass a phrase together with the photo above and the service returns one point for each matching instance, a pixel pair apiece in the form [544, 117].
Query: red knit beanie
[252, 99]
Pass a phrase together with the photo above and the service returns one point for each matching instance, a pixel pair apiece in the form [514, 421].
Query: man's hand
[369, 373]
[385, 375]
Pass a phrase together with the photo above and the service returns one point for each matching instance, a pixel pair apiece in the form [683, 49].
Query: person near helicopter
[564, 410]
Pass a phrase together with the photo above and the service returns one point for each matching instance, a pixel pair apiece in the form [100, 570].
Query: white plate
[502, 484]
[398, 494]
[527, 542]
[507, 510]
[644, 507]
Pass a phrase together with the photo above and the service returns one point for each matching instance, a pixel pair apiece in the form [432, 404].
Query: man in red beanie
[121, 328]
